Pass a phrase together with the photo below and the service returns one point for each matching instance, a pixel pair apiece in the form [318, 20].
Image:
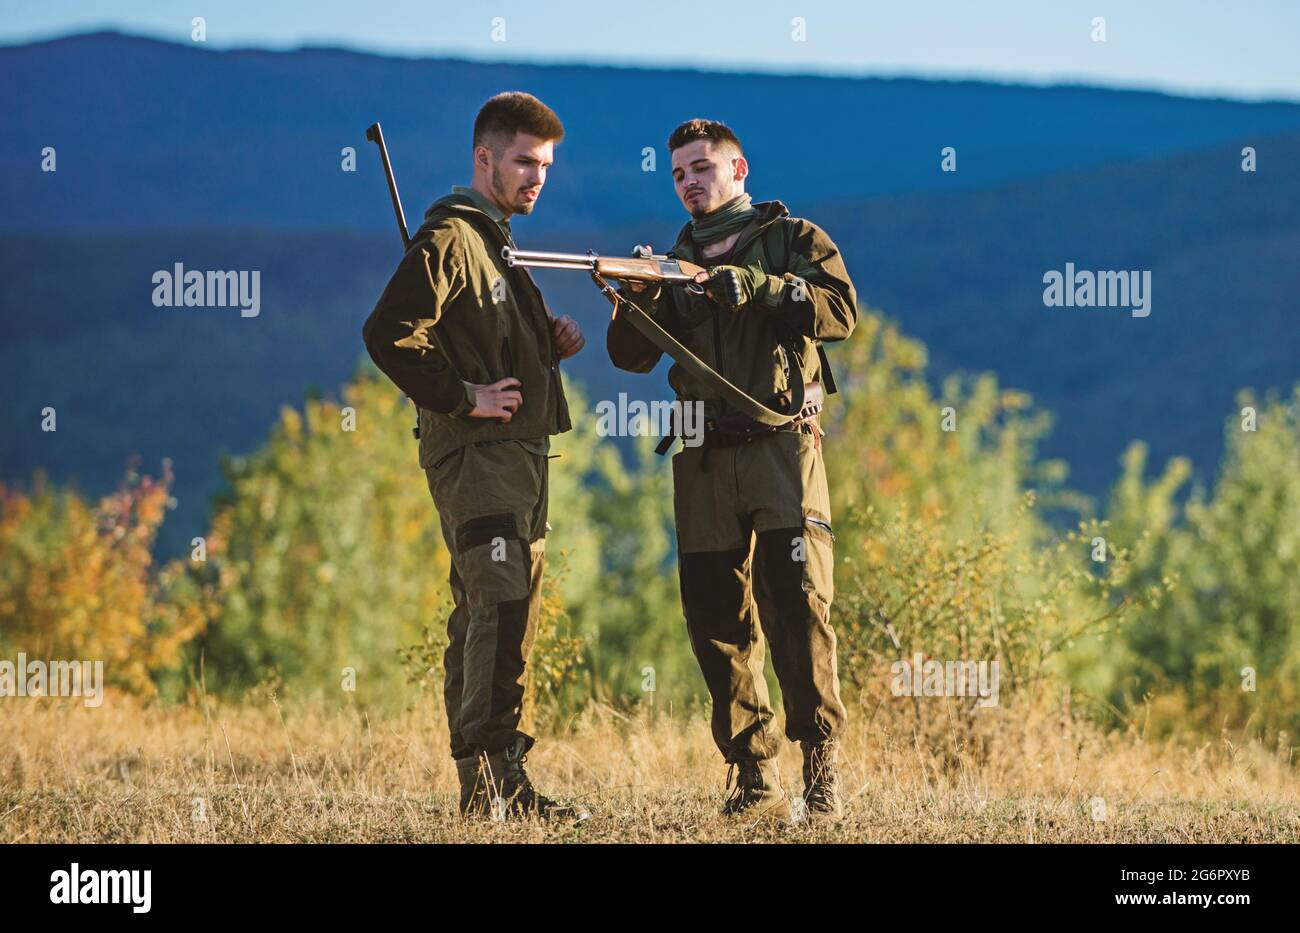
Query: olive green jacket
[807, 297]
[454, 314]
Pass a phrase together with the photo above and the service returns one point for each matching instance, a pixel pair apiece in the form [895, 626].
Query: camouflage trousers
[754, 546]
[491, 499]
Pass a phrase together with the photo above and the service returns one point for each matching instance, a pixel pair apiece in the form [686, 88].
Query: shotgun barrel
[653, 268]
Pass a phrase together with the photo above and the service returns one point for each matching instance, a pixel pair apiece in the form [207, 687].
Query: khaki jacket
[748, 346]
[453, 314]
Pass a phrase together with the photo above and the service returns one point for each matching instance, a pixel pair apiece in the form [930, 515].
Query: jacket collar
[481, 203]
[464, 200]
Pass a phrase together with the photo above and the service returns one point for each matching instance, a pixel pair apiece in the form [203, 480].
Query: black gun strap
[828, 380]
[703, 373]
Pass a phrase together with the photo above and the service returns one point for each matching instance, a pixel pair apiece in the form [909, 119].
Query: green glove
[733, 287]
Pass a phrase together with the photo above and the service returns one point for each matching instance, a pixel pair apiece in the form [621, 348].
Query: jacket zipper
[736, 250]
[548, 342]
[717, 331]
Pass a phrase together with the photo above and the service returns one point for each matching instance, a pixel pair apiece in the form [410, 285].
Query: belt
[716, 437]
[735, 430]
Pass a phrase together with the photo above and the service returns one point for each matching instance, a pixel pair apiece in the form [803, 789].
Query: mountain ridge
[958, 265]
[154, 134]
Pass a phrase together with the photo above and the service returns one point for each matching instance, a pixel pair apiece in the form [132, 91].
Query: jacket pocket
[445, 457]
[493, 559]
[819, 563]
[819, 527]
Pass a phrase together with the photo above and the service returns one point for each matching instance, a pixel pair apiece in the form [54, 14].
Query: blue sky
[1246, 49]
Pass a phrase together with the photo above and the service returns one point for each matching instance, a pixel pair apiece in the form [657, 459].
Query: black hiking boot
[509, 794]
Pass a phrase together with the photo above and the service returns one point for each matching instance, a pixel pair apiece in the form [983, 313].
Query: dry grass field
[263, 772]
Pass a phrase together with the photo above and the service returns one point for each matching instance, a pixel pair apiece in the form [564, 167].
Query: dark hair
[514, 112]
[713, 130]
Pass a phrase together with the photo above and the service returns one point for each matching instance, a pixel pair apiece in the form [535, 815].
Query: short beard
[504, 197]
[700, 209]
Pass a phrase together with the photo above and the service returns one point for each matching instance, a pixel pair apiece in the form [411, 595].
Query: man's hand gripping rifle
[647, 268]
[651, 269]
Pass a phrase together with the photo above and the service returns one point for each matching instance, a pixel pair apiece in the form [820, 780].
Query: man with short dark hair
[473, 345]
[752, 508]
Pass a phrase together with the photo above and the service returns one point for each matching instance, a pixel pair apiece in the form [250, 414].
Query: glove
[733, 287]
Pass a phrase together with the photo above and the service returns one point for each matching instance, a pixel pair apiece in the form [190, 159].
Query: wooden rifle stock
[671, 272]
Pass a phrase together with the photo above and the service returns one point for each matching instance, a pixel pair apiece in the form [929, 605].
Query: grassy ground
[256, 772]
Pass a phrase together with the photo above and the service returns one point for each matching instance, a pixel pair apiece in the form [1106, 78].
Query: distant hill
[156, 135]
[963, 271]
[230, 161]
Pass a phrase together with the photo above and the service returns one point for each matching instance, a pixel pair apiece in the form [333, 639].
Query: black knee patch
[782, 553]
[715, 593]
[796, 562]
[484, 529]
[507, 694]
[493, 560]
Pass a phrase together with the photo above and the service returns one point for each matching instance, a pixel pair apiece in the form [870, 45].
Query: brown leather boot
[821, 781]
[757, 793]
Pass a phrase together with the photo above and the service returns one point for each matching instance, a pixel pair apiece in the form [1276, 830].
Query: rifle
[651, 269]
[664, 270]
[648, 268]
[375, 135]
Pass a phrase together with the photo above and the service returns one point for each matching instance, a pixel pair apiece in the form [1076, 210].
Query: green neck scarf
[723, 222]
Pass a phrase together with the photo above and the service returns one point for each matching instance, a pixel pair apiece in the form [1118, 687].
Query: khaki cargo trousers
[754, 545]
[491, 499]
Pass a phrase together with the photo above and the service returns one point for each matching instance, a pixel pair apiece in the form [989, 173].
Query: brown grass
[128, 772]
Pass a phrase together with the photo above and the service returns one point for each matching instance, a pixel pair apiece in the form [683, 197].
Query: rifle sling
[705, 374]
